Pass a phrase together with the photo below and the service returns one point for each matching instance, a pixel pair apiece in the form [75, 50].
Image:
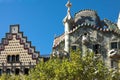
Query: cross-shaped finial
[68, 4]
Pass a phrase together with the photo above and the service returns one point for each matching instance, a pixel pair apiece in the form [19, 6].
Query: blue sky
[40, 20]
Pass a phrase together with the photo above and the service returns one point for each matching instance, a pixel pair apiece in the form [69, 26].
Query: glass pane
[114, 45]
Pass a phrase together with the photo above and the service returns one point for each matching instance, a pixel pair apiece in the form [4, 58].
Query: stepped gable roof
[86, 16]
[14, 30]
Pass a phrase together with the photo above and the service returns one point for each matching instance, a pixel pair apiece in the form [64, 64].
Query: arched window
[8, 58]
[13, 58]
[17, 58]
[8, 71]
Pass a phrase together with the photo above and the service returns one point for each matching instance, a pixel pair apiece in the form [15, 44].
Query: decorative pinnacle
[68, 5]
[68, 16]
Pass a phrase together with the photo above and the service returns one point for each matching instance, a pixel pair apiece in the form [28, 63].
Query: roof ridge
[86, 10]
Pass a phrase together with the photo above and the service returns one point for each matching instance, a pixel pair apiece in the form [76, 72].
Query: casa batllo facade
[17, 55]
[87, 32]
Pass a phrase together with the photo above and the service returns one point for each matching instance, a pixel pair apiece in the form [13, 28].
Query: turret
[67, 23]
[118, 23]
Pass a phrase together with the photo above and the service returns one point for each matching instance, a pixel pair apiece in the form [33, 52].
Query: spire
[68, 5]
[67, 23]
[68, 16]
[118, 23]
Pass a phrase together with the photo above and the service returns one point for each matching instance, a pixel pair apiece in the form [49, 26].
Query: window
[114, 64]
[114, 45]
[73, 47]
[17, 58]
[26, 71]
[0, 71]
[96, 48]
[8, 58]
[13, 58]
[85, 34]
[17, 71]
[119, 44]
[8, 71]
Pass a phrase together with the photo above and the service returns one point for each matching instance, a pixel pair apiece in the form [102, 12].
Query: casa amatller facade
[17, 55]
[88, 32]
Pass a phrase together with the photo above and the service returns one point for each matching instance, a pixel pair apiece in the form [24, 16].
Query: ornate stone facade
[89, 33]
[16, 53]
